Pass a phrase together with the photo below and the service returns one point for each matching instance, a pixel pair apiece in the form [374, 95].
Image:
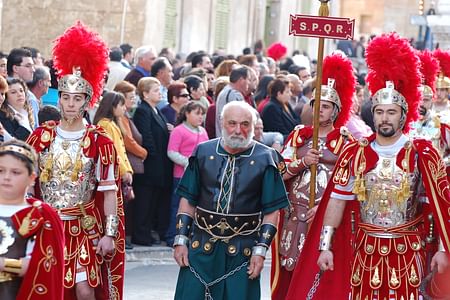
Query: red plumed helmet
[429, 68]
[393, 74]
[81, 58]
[338, 85]
[277, 51]
[443, 81]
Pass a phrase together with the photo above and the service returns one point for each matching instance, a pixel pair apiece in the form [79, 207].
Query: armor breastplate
[383, 206]
[299, 187]
[60, 191]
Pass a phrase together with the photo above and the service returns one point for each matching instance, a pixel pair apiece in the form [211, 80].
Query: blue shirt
[142, 71]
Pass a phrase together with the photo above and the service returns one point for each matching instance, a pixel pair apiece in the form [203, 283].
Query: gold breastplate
[386, 205]
[64, 189]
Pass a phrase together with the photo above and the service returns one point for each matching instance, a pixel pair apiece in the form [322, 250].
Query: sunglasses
[184, 95]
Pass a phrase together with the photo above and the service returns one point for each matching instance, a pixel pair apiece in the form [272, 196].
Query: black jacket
[13, 128]
[275, 118]
[158, 168]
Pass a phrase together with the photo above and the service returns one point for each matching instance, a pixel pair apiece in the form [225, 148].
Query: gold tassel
[45, 174]
[76, 169]
[404, 191]
[360, 188]
[25, 226]
[323, 10]
[406, 188]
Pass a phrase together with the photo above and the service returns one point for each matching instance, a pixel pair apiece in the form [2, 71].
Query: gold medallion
[207, 246]
[195, 244]
[87, 222]
[232, 249]
[45, 137]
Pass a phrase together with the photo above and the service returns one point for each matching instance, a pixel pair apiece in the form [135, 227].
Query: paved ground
[151, 274]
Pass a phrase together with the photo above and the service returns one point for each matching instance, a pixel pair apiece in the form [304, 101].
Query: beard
[236, 142]
[387, 131]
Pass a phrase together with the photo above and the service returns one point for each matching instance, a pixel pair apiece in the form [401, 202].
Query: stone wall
[37, 23]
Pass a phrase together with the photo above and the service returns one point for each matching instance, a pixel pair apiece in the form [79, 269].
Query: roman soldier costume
[379, 248]
[33, 231]
[231, 194]
[75, 167]
[338, 86]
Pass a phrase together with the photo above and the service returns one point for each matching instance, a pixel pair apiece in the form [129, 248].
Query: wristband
[326, 238]
[266, 234]
[184, 224]
[180, 240]
[259, 251]
[112, 225]
[13, 265]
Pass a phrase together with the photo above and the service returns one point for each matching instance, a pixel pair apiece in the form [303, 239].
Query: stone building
[188, 25]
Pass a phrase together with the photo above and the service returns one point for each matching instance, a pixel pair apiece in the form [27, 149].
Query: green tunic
[217, 263]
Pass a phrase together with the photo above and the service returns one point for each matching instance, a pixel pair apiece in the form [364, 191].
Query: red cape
[44, 277]
[337, 282]
[99, 146]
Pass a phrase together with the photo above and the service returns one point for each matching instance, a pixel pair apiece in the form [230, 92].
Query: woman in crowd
[278, 115]
[153, 188]
[182, 142]
[31, 260]
[196, 89]
[177, 96]
[133, 146]
[225, 67]
[261, 94]
[16, 116]
[111, 109]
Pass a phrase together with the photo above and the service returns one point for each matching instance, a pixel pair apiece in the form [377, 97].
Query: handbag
[127, 192]
[136, 163]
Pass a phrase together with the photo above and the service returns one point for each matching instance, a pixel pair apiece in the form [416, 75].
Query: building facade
[190, 25]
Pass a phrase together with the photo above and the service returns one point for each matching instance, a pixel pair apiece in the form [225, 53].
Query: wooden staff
[323, 12]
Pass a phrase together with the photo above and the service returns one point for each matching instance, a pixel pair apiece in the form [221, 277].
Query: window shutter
[221, 29]
[170, 27]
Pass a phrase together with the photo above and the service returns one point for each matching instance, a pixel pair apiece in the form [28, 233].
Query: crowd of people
[203, 152]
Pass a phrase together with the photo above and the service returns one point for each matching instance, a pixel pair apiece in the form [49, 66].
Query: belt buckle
[87, 221]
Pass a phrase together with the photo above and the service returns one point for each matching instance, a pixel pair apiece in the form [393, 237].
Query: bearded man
[231, 193]
[372, 238]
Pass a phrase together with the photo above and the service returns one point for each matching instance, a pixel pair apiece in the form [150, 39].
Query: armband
[112, 225]
[326, 238]
[259, 251]
[183, 229]
[266, 234]
[13, 266]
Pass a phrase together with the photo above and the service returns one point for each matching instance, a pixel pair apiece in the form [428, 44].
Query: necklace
[66, 140]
